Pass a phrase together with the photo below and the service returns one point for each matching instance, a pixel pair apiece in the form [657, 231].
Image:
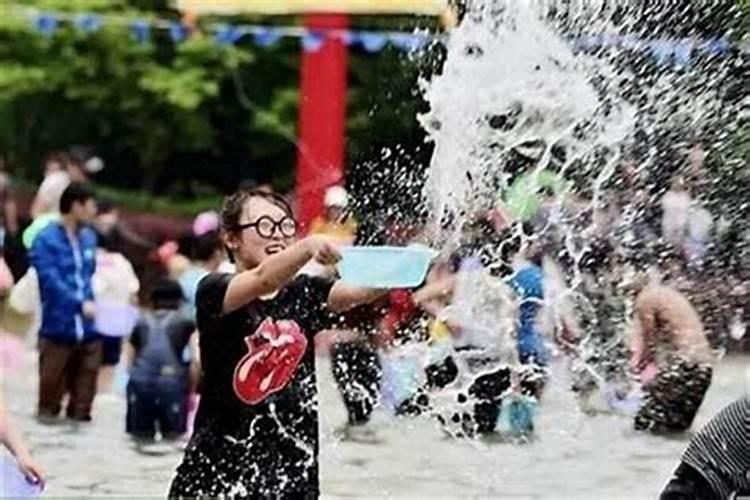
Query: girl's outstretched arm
[11, 439]
[343, 297]
[278, 270]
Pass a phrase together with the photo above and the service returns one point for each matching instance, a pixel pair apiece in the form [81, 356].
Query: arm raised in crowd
[278, 270]
[430, 297]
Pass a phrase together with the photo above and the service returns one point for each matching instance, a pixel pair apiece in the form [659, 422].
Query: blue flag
[371, 41]
[313, 41]
[88, 23]
[141, 31]
[46, 24]
[266, 36]
[226, 34]
[178, 32]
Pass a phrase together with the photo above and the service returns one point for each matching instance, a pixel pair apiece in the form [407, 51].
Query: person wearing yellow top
[335, 221]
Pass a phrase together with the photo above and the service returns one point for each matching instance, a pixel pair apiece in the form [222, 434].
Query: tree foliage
[177, 116]
[163, 114]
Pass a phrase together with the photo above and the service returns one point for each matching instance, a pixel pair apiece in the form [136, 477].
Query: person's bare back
[665, 314]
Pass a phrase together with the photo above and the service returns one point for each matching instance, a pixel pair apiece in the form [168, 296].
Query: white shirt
[51, 189]
[115, 280]
[700, 224]
[675, 206]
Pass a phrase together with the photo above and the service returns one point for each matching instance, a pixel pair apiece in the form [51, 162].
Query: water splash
[511, 84]
[585, 90]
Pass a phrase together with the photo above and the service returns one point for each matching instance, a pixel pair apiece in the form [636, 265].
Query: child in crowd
[159, 378]
[207, 255]
[116, 289]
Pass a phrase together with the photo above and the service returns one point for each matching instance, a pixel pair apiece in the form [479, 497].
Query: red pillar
[322, 118]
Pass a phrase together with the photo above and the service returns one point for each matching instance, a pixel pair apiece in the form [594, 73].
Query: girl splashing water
[256, 432]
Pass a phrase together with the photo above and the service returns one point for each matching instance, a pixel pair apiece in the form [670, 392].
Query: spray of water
[580, 89]
[510, 84]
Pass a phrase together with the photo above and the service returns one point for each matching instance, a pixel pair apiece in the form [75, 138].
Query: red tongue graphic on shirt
[274, 352]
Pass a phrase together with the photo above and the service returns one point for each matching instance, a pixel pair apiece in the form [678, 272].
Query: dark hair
[231, 211]
[166, 294]
[205, 246]
[104, 207]
[75, 192]
[186, 244]
[77, 157]
[107, 242]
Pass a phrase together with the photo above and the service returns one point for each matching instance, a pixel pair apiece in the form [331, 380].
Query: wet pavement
[573, 455]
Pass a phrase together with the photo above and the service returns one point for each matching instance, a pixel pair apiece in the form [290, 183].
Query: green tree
[161, 111]
[142, 101]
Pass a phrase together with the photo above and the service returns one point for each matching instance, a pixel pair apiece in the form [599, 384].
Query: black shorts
[111, 350]
[673, 397]
[153, 407]
[357, 372]
[687, 484]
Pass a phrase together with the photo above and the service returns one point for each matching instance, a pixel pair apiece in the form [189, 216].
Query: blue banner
[88, 23]
[676, 53]
[265, 36]
[141, 31]
[371, 41]
[178, 32]
[312, 41]
[46, 24]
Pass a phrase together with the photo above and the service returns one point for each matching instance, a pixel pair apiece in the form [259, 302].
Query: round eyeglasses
[266, 227]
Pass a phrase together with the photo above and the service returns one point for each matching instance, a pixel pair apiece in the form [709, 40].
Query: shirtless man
[669, 337]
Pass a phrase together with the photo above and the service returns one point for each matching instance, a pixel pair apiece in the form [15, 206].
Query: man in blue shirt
[64, 256]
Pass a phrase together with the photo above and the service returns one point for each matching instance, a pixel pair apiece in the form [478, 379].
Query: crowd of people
[638, 293]
[641, 288]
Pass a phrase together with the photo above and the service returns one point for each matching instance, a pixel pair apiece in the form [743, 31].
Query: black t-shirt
[268, 449]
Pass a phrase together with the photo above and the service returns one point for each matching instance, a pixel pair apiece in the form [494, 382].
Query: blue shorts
[156, 407]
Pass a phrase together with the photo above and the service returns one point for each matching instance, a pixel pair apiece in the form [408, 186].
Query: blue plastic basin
[385, 267]
[13, 484]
